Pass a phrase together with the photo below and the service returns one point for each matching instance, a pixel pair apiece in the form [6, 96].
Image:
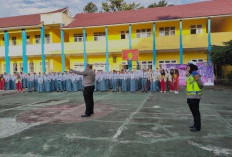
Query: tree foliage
[161, 3]
[90, 8]
[222, 55]
[119, 5]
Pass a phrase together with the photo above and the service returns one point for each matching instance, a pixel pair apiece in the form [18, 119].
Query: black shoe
[192, 126]
[85, 115]
[91, 113]
[194, 129]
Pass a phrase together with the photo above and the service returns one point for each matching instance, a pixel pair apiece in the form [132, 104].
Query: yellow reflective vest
[192, 87]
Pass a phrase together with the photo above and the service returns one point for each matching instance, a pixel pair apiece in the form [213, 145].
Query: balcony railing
[219, 38]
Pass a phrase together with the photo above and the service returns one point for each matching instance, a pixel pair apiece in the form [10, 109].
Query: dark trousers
[194, 107]
[88, 96]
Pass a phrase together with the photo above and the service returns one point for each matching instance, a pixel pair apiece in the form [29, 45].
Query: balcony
[195, 41]
[219, 38]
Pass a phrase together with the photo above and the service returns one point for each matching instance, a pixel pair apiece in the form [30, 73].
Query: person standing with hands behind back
[194, 87]
[88, 83]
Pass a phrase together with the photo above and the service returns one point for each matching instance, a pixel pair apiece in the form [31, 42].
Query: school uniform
[7, 82]
[132, 83]
[144, 81]
[13, 82]
[30, 80]
[68, 83]
[59, 83]
[47, 87]
[74, 83]
[40, 84]
[115, 82]
[63, 82]
[124, 83]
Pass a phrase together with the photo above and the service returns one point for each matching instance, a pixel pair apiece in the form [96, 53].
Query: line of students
[124, 81]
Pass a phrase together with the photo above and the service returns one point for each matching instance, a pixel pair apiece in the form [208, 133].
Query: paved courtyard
[124, 125]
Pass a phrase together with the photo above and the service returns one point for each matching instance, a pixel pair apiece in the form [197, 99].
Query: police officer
[194, 91]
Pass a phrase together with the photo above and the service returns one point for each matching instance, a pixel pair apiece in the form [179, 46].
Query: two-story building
[54, 41]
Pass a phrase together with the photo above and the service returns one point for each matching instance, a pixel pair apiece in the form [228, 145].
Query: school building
[55, 41]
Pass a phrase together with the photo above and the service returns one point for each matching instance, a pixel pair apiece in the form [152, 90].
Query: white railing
[34, 50]
[15, 51]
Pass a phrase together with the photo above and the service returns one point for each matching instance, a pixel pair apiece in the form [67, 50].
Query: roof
[24, 20]
[200, 9]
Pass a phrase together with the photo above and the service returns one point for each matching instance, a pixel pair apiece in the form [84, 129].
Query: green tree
[220, 56]
[161, 3]
[90, 8]
[119, 5]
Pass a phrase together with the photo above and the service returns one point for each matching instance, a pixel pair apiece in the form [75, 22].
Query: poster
[206, 71]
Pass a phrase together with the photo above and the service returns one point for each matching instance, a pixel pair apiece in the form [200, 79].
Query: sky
[24, 7]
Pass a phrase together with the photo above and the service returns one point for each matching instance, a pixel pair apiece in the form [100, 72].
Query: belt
[89, 85]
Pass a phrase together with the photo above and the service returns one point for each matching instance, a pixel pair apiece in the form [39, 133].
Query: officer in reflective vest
[194, 92]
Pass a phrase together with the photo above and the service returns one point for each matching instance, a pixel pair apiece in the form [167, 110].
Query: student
[2, 83]
[68, 83]
[132, 82]
[124, 82]
[59, 83]
[7, 81]
[144, 80]
[30, 81]
[170, 80]
[74, 82]
[163, 81]
[46, 79]
[176, 81]
[115, 81]
[40, 83]
[19, 84]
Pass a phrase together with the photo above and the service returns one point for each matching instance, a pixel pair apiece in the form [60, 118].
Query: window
[14, 41]
[21, 67]
[124, 34]
[28, 40]
[198, 60]
[99, 36]
[47, 39]
[15, 67]
[79, 66]
[37, 39]
[99, 66]
[31, 67]
[145, 65]
[47, 69]
[78, 37]
[167, 62]
[3, 41]
[143, 33]
[167, 31]
[196, 29]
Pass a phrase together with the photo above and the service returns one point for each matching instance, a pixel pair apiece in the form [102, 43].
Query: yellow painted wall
[188, 56]
[187, 24]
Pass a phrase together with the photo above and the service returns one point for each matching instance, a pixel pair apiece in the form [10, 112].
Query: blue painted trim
[7, 58]
[181, 43]
[84, 42]
[154, 46]
[24, 47]
[42, 49]
[130, 64]
[107, 50]
[209, 40]
[62, 48]
[130, 42]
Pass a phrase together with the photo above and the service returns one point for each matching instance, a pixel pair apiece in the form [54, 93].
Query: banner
[206, 71]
